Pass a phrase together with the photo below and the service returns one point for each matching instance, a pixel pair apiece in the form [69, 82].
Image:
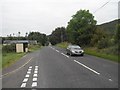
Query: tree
[58, 35]
[81, 27]
[41, 38]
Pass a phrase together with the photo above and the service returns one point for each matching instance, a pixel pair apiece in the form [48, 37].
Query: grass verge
[93, 51]
[104, 55]
[10, 58]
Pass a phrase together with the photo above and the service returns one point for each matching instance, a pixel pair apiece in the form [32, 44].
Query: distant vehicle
[74, 50]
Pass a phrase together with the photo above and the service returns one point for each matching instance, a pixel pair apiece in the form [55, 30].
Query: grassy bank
[34, 47]
[12, 57]
[95, 52]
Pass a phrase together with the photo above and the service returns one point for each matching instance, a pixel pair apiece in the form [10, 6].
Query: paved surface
[50, 67]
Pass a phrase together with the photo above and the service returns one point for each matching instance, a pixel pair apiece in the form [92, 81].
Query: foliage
[63, 45]
[9, 48]
[81, 27]
[58, 35]
[41, 38]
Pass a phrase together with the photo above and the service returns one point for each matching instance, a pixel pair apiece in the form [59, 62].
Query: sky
[46, 15]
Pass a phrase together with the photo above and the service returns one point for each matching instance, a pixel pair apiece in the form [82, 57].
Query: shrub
[9, 48]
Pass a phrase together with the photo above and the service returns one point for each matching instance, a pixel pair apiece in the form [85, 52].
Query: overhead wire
[102, 6]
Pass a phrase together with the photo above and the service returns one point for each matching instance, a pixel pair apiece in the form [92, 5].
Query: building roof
[18, 41]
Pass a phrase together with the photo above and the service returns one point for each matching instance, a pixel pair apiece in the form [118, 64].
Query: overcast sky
[45, 15]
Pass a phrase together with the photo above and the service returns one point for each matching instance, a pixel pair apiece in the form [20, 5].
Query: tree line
[81, 30]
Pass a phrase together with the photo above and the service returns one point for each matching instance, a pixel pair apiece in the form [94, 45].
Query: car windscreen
[75, 47]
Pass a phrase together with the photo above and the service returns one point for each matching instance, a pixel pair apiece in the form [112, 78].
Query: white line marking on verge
[25, 80]
[23, 85]
[65, 55]
[16, 69]
[87, 67]
[34, 84]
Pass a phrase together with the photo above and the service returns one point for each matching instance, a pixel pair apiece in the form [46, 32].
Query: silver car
[74, 50]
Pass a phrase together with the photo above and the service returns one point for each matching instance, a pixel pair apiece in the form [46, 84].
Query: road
[50, 67]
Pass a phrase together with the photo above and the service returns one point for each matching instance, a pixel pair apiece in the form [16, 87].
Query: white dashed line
[25, 80]
[36, 69]
[30, 67]
[35, 72]
[65, 55]
[29, 72]
[87, 67]
[23, 85]
[35, 75]
[34, 84]
[27, 75]
[34, 79]
[110, 79]
[57, 51]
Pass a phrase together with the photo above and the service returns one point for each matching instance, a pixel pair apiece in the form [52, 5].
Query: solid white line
[25, 80]
[34, 79]
[87, 67]
[23, 85]
[34, 84]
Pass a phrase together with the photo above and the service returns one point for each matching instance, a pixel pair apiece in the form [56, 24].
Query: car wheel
[70, 54]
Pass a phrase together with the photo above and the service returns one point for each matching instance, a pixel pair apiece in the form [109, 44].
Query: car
[74, 50]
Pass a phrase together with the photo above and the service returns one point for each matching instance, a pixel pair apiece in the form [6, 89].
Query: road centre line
[16, 69]
[65, 55]
[87, 67]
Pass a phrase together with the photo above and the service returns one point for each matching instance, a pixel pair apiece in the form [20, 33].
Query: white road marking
[36, 66]
[57, 51]
[35, 75]
[34, 79]
[27, 75]
[110, 79]
[34, 84]
[28, 72]
[87, 67]
[36, 72]
[23, 85]
[36, 69]
[65, 55]
[30, 67]
[16, 69]
[25, 80]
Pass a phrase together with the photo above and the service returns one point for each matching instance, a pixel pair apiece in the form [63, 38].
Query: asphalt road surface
[50, 67]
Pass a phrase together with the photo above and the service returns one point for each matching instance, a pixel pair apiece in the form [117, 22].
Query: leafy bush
[103, 43]
[9, 48]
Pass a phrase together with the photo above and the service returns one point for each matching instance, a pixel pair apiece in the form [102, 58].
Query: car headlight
[82, 51]
[72, 51]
